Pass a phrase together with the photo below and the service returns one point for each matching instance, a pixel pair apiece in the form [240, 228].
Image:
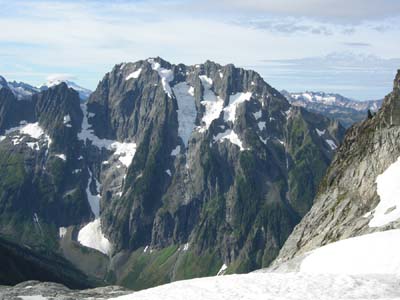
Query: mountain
[21, 90]
[166, 172]
[359, 193]
[83, 92]
[334, 106]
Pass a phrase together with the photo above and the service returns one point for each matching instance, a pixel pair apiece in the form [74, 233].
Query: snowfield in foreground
[275, 286]
[375, 253]
[364, 267]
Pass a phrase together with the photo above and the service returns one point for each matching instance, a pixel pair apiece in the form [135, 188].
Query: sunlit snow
[234, 101]
[388, 189]
[166, 76]
[62, 231]
[176, 151]
[212, 103]
[261, 125]
[375, 253]
[320, 132]
[186, 110]
[222, 270]
[274, 286]
[134, 75]
[31, 129]
[91, 236]
[331, 144]
[364, 267]
[61, 156]
[125, 150]
[231, 136]
[257, 114]
[34, 297]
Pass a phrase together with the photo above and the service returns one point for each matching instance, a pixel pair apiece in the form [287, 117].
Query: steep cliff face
[40, 184]
[175, 168]
[224, 167]
[357, 195]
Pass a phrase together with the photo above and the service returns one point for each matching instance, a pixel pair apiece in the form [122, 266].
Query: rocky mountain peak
[204, 165]
[397, 80]
[59, 79]
[3, 82]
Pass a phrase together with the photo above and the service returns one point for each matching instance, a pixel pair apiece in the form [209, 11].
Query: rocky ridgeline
[346, 204]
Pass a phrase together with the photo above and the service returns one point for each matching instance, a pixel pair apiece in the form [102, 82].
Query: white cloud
[339, 10]
[60, 77]
[87, 38]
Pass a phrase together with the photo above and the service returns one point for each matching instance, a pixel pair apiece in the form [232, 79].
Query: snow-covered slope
[275, 286]
[375, 253]
[364, 267]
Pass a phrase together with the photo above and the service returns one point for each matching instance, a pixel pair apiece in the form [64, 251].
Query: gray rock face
[39, 188]
[349, 191]
[236, 186]
[223, 168]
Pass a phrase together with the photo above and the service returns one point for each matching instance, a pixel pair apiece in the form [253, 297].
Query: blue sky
[349, 47]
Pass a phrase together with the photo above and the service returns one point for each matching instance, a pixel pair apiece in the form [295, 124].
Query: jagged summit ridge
[207, 163]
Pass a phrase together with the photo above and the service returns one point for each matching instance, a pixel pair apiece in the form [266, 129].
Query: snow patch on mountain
[134, 75]
[331, 144]
[166, 75]
[234, 101]
[67, 120]
[62, 231]
[388, 189]
[231, 136]
[91, 236]
[186, 110]
[212, 103]
[222, 270]
[320, 132]
[31, 129]
[261, 125]
[176, 151]
[125, 150]
[257, 115]
[61, 156]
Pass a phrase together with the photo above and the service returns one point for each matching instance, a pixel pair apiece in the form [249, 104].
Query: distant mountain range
[334, 106]
[83, 92]
[22, 90]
